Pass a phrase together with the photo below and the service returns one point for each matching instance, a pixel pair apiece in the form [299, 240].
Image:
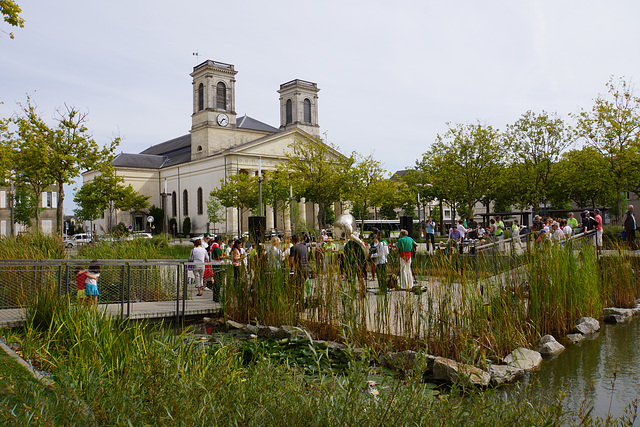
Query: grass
[110, 373]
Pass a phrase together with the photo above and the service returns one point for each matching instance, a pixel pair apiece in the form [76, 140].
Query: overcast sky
[391, 73]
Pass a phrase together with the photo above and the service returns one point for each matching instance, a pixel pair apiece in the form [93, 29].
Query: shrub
[186, 226]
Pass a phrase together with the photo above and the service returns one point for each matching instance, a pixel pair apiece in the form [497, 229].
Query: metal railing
[121, 282]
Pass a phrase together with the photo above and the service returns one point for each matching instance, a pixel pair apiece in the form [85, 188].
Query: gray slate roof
[178, 150]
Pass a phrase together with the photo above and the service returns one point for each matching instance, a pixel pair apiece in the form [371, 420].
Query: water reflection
[585, 372]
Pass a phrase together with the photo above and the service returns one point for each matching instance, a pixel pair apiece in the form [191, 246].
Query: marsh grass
[31, 246]
[107, 372]
[155, 248]
[473, 308]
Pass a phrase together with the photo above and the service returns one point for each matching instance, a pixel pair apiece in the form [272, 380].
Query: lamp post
[291, 208]
[164, 210]
[260, 186]
[12, 204]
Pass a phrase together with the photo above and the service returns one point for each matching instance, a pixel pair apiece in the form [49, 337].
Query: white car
[138, 235]
[77, 239]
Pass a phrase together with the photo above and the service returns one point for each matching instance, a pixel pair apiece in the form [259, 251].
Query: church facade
[179, 174]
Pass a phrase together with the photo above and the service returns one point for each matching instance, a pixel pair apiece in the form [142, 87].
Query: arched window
[199, 148]
[201, 97]
[174, 205]
[289, 112]
[307, 110]
[221, 96]
[185, 203]
[200, 209]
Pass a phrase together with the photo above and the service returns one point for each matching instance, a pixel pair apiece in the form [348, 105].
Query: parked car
[77, 239]
[138, 235]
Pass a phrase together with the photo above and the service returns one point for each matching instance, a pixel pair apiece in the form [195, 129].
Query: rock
[292, 331]
[524, 358]
[549, 346]
[268, 332]
[331, 344]
[235, 325]
[501, 374]
[407, 360]
[452, 372]
[587, 326]
[636, 311]
[615, 319]
[250, 329]
[624, 312]
[575, 338]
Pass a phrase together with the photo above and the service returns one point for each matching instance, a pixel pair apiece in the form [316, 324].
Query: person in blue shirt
[431, 234]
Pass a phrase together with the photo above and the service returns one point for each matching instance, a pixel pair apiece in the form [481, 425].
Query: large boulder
[502, 374]
[549, 346]
[453, 372]
[617, 315]
[524, 358]
[587, 326]
[234, 325]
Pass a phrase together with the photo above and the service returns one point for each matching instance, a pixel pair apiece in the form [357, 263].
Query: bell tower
[299, 106]
[214, 104]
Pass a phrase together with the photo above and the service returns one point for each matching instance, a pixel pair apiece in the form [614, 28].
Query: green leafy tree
[584, 179]
[31, 156]
[536, 143]
[129, 200]
[25, 205]
[319, 173]
[612, 127]
[366, 173]
[464, 163]
[72, 150]
[215, 213]
[238, 191]
[6, 151]
[275, 190]
[11, 14]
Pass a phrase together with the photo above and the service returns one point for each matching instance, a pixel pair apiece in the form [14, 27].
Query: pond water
[586, 372]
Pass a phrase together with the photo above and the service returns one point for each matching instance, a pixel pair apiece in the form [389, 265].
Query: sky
[391, 74]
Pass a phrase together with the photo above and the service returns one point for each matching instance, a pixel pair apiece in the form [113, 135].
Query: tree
[613, 128]
[366, 174]
[319, 173]
[72, 149]
[464, 163]
[31, 155]
[238, 191]
[536, 143]
[584, 179]
[275, 190]
[130, 200]
[215, 213]
[6, 151]
[11, 13]
[158, 219]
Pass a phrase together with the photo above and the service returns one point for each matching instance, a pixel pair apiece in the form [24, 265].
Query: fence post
[178, 276]
[128, 290]
[122, 271]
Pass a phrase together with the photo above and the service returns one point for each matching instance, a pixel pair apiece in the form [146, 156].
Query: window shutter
[44, 199]
[3, 199]
[54, 199]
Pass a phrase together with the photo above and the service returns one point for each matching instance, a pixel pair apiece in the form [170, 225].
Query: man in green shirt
[405, 245]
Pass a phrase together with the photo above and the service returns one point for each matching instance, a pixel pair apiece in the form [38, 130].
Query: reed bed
[106, 372]
[473, 308]
[31, 246]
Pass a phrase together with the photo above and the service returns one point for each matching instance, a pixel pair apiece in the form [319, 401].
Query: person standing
[431, 234]
[217, 265]
[405, 245]
[299, 264]
[573, 223]
[380, 258]
[629, 223]
[91, 283]
[198, 256]
[499, 232]
[599, 231]
[455, 238]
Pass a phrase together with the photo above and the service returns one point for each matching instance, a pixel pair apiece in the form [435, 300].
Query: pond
[602, 372]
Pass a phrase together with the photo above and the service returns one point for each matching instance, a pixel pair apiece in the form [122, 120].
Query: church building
[179, 174]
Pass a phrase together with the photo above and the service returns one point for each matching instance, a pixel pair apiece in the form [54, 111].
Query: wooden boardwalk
[204, 305]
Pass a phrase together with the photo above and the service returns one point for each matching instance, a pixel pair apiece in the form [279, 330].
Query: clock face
[222, 119]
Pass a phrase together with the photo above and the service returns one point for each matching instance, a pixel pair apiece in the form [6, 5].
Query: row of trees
[537, 161]
[540, 159]
[35, 155]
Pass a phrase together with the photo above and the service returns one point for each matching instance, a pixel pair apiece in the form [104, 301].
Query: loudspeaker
[257, 227]
[406, 223]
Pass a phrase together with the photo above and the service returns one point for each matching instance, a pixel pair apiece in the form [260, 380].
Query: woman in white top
[199, 256]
